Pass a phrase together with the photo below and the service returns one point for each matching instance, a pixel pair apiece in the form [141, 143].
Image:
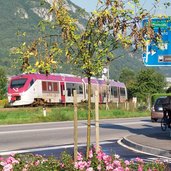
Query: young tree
[114, 24]
[3, 84]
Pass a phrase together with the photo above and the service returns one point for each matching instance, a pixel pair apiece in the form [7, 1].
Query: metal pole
[75, 127]
[97, 119]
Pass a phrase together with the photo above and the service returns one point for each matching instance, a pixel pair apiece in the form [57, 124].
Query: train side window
[104, 91]
[44, 86]
[73, 91]
[49, 86]
[122, 91]
[80, 89]
[112, 91]
[55, 86]
[115, 92]
[69, 91]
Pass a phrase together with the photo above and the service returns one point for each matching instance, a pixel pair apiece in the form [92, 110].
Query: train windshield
[18, 83]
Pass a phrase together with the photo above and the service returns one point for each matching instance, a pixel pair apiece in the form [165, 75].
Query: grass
[34, 115]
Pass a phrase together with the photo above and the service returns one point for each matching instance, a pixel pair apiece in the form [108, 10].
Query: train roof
[116, 83]
[93, 80]
[59, 77]
[67, 78]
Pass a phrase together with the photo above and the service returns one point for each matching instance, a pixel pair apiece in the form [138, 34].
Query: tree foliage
[3, 84]
[148, 82]
[128, 76]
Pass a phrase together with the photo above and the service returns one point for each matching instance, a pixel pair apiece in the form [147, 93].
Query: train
[37, 89]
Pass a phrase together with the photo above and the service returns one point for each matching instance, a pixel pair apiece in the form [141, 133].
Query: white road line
[138, 151]
[64, 128]
[131, 123]
[4, 153]
[39, 130]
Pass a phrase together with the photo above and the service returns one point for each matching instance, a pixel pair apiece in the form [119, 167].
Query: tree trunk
[89, 117]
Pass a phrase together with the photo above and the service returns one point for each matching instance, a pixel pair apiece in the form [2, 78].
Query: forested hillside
[24, 15]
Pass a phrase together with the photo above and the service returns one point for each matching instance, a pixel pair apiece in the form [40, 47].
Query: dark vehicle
[157, 109]
[166, 120]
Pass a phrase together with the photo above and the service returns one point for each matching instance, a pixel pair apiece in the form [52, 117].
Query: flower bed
[95, 162]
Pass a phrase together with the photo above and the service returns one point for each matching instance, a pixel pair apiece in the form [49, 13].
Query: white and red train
[30, 89]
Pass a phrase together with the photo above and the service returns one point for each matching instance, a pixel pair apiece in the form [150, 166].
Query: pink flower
[89, 169]
[107, 159]
[140, 168]
[62, 165]
[100, 155]
[118, 169]
[79, 156]
[139, 160]
[36, 163]
[99, 167]
[109, 167]
[127, 169]
[1, 158]
[3, 163]
[88, 163]
[81, 165]
[117, 163]
[7, 167]
[117, 156]
[90, 154]
[12, 160]
[127, 162]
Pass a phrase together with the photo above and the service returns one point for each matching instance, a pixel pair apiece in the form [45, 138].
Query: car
[157, 109]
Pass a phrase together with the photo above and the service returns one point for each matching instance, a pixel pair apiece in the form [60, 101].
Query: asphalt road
[41, 135]
[53, 138]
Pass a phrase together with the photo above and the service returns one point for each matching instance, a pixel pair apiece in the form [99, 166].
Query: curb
[145, 149]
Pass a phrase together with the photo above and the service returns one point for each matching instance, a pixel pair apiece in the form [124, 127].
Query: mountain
[24, 15]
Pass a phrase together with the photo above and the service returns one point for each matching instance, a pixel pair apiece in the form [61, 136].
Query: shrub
[96, 162]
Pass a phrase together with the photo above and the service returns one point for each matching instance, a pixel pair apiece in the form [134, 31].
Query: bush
[96, 161]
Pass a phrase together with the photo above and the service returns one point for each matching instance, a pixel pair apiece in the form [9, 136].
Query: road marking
[71, 127]
[154, 159]
[131, 123]
[142, 152]
[39, 130]
[31, 150]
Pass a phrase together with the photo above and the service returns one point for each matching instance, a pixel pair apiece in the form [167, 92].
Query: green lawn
[33, 115]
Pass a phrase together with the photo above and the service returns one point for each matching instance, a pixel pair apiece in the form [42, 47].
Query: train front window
[18, 83]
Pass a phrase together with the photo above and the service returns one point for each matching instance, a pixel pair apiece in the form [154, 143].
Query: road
[41, 135]
[53, 138]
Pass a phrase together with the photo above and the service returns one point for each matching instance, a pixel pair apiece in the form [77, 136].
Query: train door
[63, 100]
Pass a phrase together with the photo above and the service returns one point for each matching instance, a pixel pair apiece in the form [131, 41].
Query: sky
[90, 5]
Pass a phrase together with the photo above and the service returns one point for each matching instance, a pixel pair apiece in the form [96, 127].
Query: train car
[26, 89]
[118, 92]
[38, 89]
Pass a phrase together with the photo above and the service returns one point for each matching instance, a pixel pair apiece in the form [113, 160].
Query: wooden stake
[75, 127]
[97, 119]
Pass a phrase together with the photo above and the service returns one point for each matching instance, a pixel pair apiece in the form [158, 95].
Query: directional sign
[158, 53]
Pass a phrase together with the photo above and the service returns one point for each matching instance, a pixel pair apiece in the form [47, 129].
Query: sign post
[158, 53]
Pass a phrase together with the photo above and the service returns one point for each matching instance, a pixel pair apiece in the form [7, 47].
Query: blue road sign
[159, 53]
